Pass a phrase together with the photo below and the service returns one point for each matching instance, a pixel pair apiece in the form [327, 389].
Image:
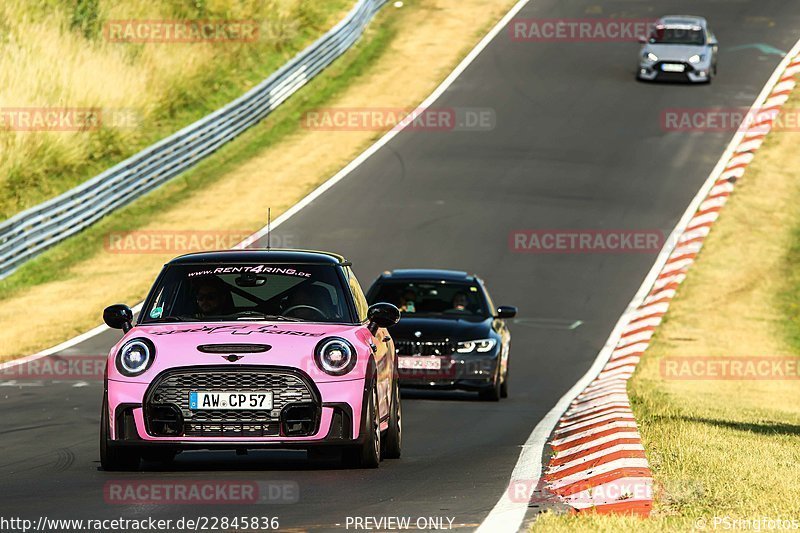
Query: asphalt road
[577, 144]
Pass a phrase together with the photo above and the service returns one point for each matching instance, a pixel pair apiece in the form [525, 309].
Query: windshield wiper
[253, 315]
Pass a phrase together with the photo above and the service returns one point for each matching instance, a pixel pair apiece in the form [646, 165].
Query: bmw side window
[358, 295]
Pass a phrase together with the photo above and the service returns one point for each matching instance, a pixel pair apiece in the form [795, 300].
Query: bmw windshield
[226, 292]
[433, 299]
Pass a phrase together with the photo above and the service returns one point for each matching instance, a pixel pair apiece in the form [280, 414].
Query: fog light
[299, 420]
[165, 420]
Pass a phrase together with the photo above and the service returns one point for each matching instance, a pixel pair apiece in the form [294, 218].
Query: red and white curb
[599, 463]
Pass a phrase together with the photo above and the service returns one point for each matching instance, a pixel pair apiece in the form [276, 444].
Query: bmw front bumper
[465, 372]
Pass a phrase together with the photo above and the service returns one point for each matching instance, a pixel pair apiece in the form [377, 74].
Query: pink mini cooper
[248, 349]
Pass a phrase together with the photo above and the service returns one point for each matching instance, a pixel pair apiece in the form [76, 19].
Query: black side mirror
[382, 315]
[506, 311]
[118, 316]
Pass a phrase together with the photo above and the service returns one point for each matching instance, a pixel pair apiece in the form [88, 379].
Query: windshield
[225, 292]
[690, 36]
[420, 298]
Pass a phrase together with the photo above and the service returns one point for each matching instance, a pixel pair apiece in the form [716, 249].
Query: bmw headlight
[335, 356]
[650, 56]
[480, 346]
[135, 357]
[695, 59]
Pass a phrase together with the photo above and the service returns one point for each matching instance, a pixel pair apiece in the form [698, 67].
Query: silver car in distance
[679, 48]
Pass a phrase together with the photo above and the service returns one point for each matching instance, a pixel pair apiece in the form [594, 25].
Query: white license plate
[671, 67]
[419, 363]
[231, 400]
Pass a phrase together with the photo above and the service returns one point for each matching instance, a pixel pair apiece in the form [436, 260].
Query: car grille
[172, 390]
[677, 76]
[406, 347]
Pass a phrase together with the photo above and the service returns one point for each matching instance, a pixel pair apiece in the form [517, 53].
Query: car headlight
[650, 56]
[695, 59]
[135, 357]
[481, 346]
[335, 356]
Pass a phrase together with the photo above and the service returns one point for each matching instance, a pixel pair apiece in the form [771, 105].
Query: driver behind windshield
[213, 298]
[460, 302]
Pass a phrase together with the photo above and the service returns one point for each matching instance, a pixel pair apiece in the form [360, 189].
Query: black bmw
[450, 334]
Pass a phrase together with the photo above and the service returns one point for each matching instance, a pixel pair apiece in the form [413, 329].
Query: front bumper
[332, 416]
[465, 372]
[695, 73]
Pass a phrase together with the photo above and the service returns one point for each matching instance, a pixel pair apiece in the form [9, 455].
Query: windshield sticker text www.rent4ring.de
[251, 269]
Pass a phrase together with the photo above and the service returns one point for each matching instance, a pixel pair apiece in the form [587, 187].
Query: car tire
[492, 394]
[368, 453]
[392, 444]
[112, 458]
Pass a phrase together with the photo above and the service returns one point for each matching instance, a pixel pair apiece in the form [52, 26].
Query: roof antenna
[269, 227]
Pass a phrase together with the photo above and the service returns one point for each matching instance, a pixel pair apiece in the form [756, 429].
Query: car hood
[454, 329]
[673, 52]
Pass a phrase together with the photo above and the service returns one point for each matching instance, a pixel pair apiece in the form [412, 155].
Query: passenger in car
[408, 301]
[213, 298]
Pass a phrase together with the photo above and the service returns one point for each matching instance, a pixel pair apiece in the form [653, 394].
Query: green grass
[161, 87]
[55, 263]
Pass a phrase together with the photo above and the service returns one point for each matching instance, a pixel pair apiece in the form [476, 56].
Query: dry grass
[434, 35]
[55, 55]
[727, 448]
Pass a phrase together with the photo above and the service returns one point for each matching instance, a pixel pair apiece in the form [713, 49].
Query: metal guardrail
[28, 233]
